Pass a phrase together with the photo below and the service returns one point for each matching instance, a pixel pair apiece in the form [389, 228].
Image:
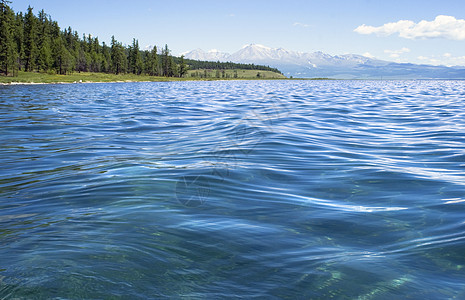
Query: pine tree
[167, 62]
[183, 67]
[19, 39]
[81, 60]
[58, 55]
[174, 72]
[44, 61]
[151, 62]
[106, 59]
[30, 39]
[118, 57]
[157, 62]
[135, 65]
[8, 51]
[44, 54]
[95, 61]
[93, 56]
[139, 68]
[63, 60]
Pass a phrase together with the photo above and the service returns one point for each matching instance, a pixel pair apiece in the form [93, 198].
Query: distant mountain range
[319, 64]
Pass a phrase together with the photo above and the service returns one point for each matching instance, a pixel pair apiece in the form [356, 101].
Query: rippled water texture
[253, 189]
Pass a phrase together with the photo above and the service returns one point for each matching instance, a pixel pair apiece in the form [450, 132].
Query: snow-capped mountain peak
[211, 55]
[252, 53]
[320, 64]
[279, 57]
[255, 46]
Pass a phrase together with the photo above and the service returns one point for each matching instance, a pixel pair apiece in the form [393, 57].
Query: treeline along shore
[35, 43]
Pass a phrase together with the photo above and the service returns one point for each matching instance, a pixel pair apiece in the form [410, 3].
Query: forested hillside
[35, 43]
[216, 65]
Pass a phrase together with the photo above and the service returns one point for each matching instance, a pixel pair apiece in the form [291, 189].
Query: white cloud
[300, 24]
[400, 51]
[447, 27]
[397, 53]
[446, 59]
[435, 61]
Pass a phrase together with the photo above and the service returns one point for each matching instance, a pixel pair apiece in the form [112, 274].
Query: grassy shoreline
[85, 77]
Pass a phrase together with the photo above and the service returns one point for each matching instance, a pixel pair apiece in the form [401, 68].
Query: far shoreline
[147, 81]
[29, 78]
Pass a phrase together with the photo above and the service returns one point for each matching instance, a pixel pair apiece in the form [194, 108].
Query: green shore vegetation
[234, 74]
[35, 49]
[84, 77]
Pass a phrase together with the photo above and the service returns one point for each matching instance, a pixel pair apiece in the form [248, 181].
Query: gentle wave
[265, 189]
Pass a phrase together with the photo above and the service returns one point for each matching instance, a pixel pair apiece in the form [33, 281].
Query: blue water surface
[233, 189]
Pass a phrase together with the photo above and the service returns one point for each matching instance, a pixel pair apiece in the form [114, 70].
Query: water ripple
[252, 189]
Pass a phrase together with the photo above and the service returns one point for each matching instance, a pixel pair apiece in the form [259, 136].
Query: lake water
[252, 189]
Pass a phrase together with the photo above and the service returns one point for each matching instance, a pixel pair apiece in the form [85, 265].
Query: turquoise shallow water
[252, 189]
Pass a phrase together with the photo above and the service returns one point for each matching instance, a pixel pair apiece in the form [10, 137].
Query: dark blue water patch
[279, 189]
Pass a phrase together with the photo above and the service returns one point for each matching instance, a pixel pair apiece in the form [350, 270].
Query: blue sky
[331, 26]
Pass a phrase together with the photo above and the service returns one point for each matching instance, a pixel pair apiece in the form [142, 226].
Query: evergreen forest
[36, 43]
